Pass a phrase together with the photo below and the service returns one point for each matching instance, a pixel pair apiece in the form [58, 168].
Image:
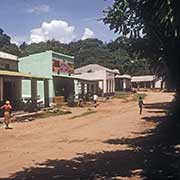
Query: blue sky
[64, 20]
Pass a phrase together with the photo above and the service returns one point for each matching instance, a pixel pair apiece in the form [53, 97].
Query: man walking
[140, 103]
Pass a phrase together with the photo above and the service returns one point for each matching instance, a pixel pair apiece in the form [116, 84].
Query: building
[102, 78]
[10, 81]
[56, 66]
[148, 81]
[122, 82]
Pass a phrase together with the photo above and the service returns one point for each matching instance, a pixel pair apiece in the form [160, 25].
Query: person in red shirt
[7, 111]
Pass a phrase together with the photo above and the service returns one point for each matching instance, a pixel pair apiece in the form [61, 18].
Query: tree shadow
[159, 147]
[153, 155]
[163, 106]
[105, 165]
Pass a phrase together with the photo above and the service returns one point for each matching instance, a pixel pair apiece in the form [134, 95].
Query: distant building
[104, 77]
[123, 82]
[56, 66]
[148, 81]
[10, 80]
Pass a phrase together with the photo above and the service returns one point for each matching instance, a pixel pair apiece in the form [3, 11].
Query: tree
[159, 20]
[6, 45]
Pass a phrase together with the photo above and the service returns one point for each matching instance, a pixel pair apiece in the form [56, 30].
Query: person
[95, 98]
[7, 111]
[140, 103]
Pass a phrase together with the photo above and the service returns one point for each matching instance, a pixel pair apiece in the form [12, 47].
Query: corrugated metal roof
[91, 67]
[20, 74]
[124, 76]
[4, 55]
[143, 78]
[87, 77]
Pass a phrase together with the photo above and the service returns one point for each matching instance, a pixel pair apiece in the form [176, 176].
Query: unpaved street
[30, 144]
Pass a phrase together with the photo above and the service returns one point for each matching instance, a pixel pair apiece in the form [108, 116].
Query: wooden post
[46, 93]
[34, 93]
[82, 88]
[1, 88]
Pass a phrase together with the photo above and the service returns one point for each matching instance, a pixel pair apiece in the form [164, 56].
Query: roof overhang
[21, 75]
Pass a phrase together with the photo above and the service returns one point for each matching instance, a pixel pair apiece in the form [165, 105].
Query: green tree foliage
[6, 45]
[114, 55]
[117, 54]
[159, 20]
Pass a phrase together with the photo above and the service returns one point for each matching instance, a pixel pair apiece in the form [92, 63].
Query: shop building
[56, 66]
[123, 82]
[11, 81]
[103, 78]
[148, 81]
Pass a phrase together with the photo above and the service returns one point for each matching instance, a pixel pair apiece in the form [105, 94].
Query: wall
[13, 65]
[42, 64]
[36, 64]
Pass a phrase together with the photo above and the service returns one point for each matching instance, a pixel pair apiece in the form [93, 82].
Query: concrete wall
[13, 65]
[36, 64]
[41, 64]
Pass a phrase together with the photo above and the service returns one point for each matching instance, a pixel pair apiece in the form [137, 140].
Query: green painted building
[56, 66]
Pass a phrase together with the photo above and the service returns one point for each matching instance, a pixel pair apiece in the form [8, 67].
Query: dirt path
[62, 137]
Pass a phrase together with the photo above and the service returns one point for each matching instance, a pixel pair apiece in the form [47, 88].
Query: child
[140, 103]
[95, 98]
[7, 111]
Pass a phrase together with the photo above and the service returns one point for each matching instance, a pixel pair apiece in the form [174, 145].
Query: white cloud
[18, 39]
[43, 8]
[14, 42]
[88, 34]
[55, 29]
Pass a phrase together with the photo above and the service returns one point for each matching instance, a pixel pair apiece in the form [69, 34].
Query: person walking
[7, 111]
[140, 103]
[95, 98]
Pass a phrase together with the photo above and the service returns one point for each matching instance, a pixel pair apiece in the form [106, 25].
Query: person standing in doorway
[140, 103]
[7, 111]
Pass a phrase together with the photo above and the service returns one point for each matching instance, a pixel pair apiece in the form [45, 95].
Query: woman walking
[7, 111]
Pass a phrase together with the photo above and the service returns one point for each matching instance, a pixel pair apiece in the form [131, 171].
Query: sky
[63, 20]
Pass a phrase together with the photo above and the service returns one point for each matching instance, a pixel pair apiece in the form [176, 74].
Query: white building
[123, 82]
[148, 81]
[104, 77]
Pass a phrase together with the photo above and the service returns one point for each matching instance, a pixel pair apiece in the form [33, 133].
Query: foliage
[159, 21]
[118, 54]
[6, 45]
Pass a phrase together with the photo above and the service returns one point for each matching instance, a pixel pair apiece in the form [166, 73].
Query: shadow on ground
[153, 155]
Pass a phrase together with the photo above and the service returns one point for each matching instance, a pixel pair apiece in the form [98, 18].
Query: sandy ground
[61, 137]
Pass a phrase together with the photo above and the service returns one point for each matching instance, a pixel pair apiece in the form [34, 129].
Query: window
[7, 66]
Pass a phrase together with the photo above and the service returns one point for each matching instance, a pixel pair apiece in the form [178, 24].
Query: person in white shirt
[95, 98]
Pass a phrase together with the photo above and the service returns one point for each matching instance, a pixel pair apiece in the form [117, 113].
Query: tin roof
[143, 78]
[124, 76]
[4, 55]
[92, 68]
[20, 74]
[87, 77]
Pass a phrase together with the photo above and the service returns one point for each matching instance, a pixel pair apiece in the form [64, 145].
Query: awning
[21, 75]
[77, 77]
[147, 78]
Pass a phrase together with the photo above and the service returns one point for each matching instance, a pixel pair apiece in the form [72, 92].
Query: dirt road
[30, 146]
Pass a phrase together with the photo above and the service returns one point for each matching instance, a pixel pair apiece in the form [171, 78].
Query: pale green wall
[36, 64]
[41, 64]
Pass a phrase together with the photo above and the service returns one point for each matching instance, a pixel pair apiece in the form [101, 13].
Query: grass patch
[50, 114]
[136, 96]
[83, 114]
[122, 95]
[129, 96]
